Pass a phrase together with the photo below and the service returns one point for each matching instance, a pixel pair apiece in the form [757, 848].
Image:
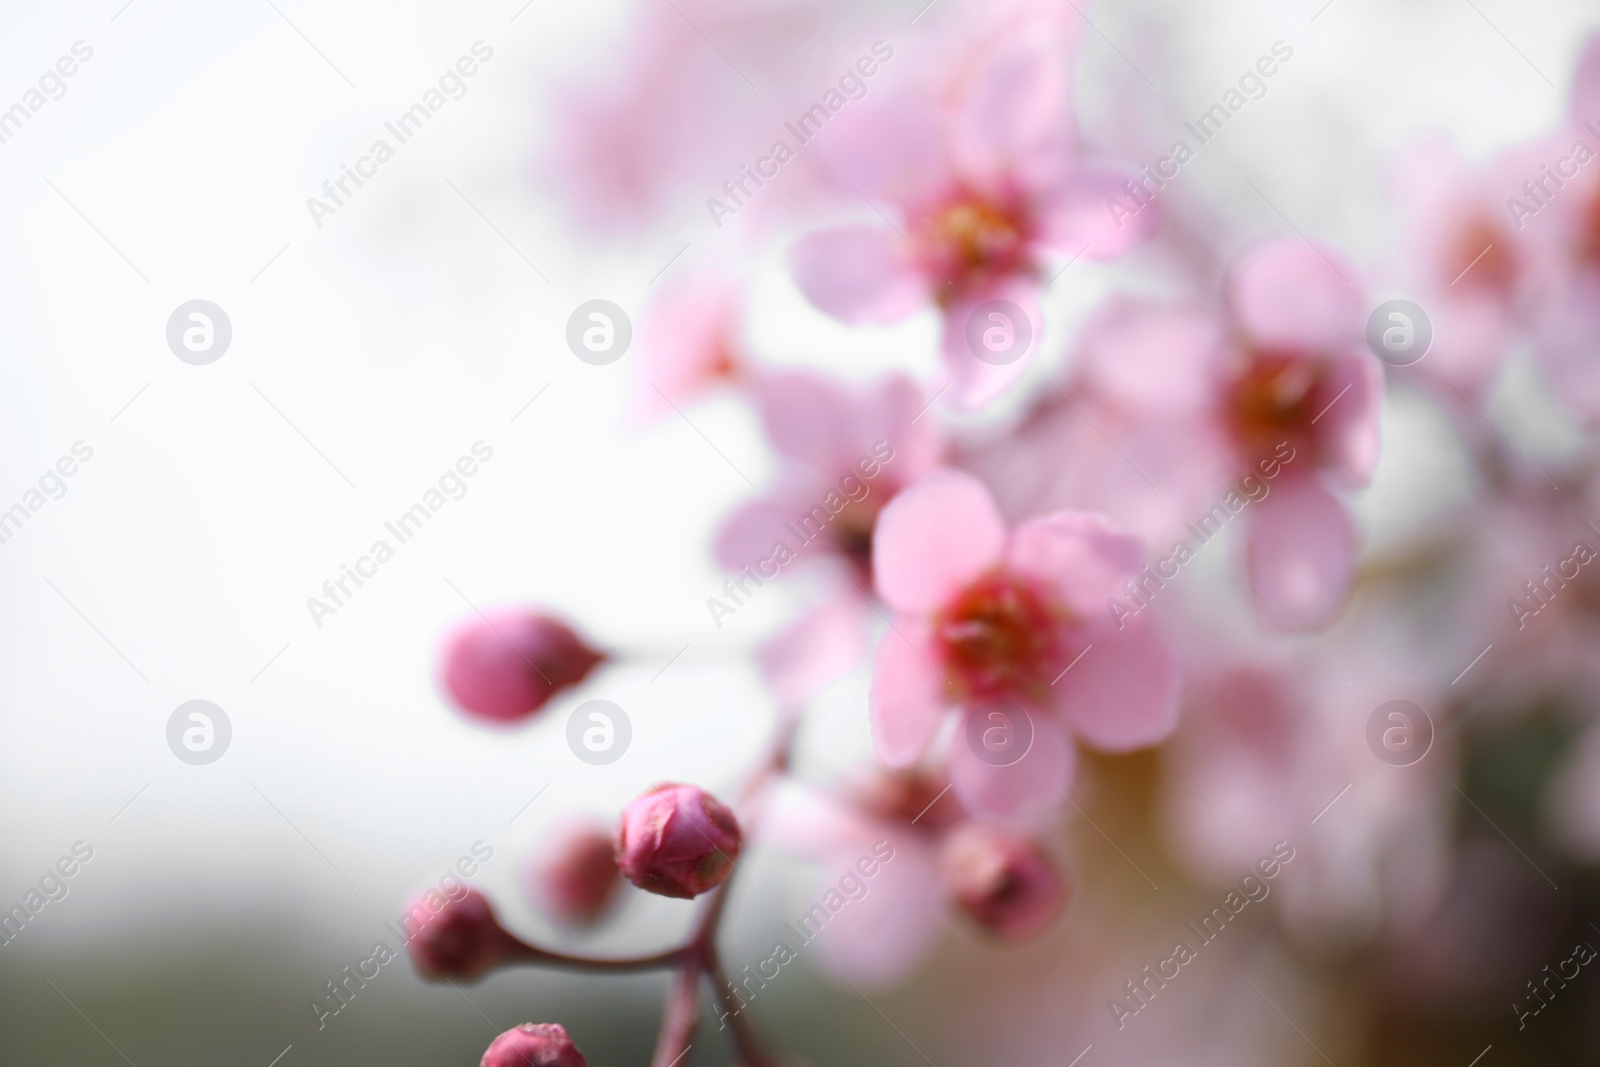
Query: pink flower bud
[677, 841]
[509, 664]
[1003, 882]
[533, 1045]
[462, 939]
[575, 878]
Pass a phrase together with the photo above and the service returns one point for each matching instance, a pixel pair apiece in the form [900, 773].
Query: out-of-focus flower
[1266, 755]
[1004, 882]
[1559, 212]
[533, 1045]
[986, 181]
[574, 877]
[463, 940]
[691, 339]
[507, 664]
[1017, 622]
[677, 841]
[882, 835]
[1283, 396]
[845, 456]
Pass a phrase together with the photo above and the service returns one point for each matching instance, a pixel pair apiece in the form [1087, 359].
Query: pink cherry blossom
[1466, 261]
[843, 457]
[1276, 749]
[1564, 229]
[986, 617]
[878, 940]
[690, 339]
[982, 185]
[1277, 388]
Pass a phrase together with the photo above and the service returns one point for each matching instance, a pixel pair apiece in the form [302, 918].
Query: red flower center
[972, 239]
[1589, 237]
[852, 533]
[1277, 398]
[1001, 638]
[1484, 259]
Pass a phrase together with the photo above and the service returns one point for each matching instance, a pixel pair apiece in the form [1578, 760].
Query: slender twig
[522, 952]
[752, 1053]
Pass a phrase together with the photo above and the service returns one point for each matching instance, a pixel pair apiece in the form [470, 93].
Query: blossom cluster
[1022, 572]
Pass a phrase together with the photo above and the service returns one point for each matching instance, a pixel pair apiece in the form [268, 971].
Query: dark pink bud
[509, 664]
[462, 939]
[575, 878]
[677, 841]
[1003, 882]
[533, 1045]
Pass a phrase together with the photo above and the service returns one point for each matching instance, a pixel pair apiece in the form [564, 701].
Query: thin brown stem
[519, 951]
[752, 1052]
[680, 1015]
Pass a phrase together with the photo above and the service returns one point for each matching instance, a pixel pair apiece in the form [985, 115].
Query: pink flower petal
[976, 381]
[1300, 552]
[1156, 358]
[907, 698]
[749, 534]
[1082, 557]
[806, 416]
[935, 538]
[1297, 295]
[689, 339]
[859, 274]
[1013, 115]
[1034, 783]
[892, 414]
[1586, 85]
[1122, 693]
[888, 148]
[815, 650]
[1350, 424]
[885, 928]
[1078, 217]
